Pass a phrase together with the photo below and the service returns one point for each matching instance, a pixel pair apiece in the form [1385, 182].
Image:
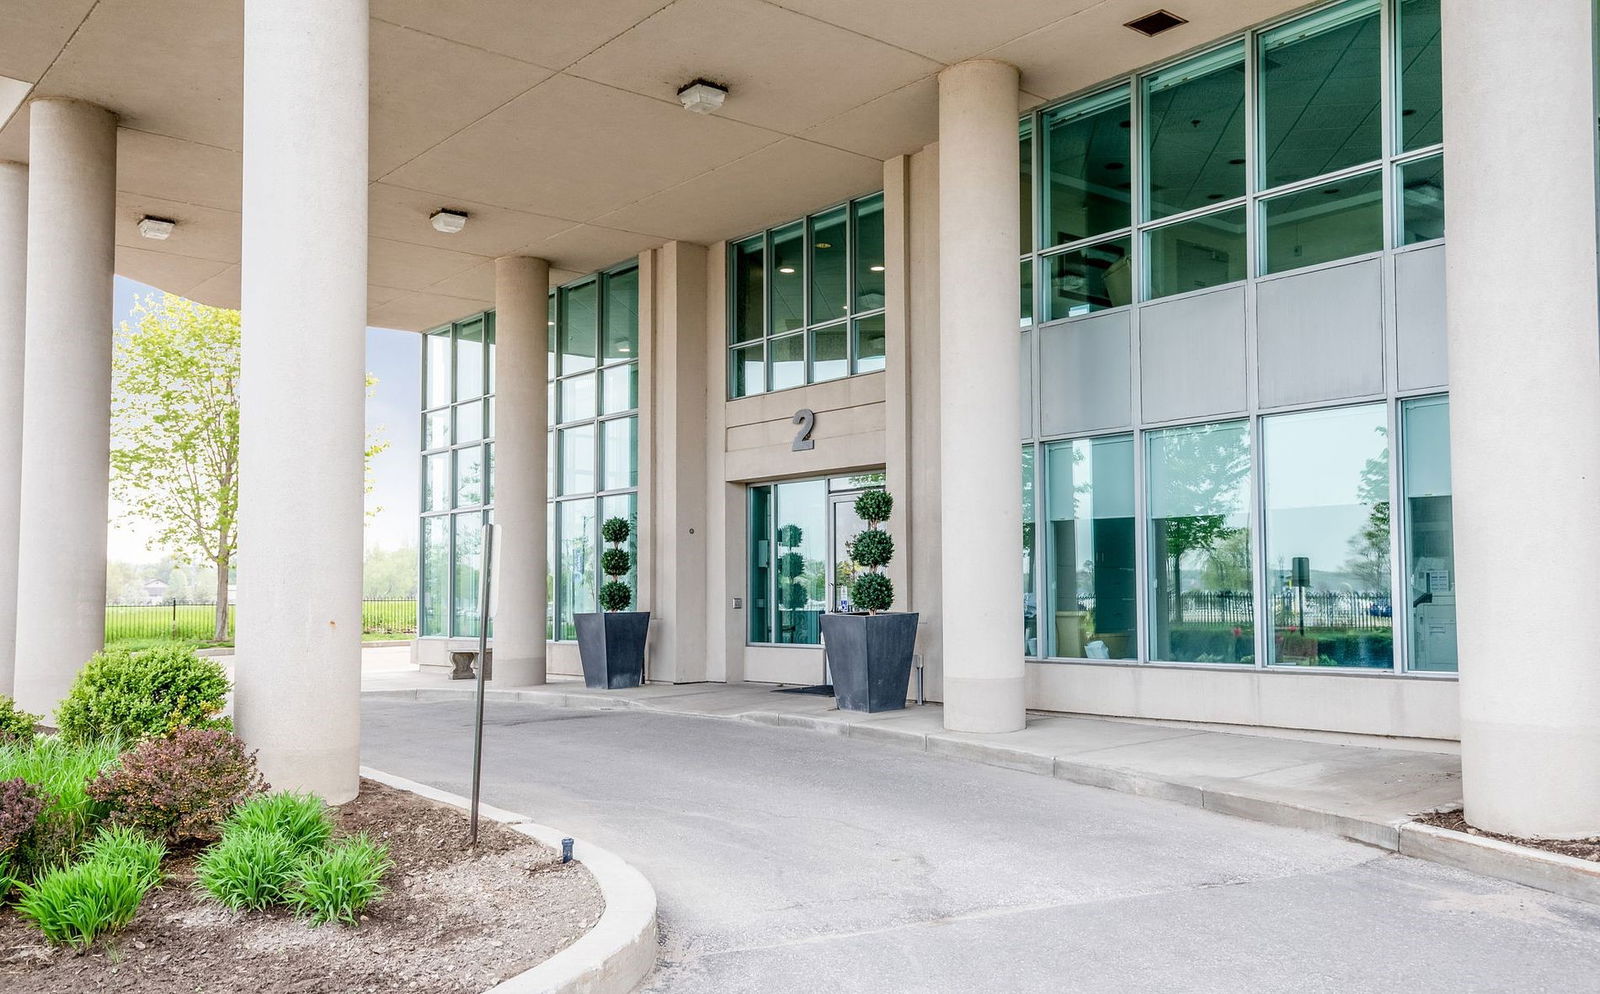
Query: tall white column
[304, 267]
[1524, 338]
[521, 355]
[66, 403]
[13, 325]
[980, 427]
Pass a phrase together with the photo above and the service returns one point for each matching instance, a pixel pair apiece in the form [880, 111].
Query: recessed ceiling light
[877, 269]
[702, 96]
[1156, 22]
[158, 228]
[824, 245]
[448, 222]
[786, 270]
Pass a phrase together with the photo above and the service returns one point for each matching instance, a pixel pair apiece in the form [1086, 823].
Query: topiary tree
[872, 550]
[615, 562]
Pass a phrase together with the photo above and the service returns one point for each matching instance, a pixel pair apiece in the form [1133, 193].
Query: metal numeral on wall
[806, 418]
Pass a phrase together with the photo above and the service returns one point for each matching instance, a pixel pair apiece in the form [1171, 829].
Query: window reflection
[1194, 132]
[1320, 87]
[1090, 279]
[1430, 534]
[1091, 571]
[1088, 179]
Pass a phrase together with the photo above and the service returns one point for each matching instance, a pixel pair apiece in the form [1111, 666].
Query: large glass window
[1430, 558]
[1327, 538]
[1202, 252]
[1090, 279]
[1323, 223]
[1420, 93]
[1087, 167]
[1030, 548]
[1091, 564]
[1421, 184]
[1194, 133]
[798, 558]
[1321, 83]
[1202, 608]
[803, 298]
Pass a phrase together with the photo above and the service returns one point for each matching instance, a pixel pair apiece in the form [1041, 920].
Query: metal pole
[485, 570]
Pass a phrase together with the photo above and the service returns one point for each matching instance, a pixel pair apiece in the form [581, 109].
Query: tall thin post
[486, 570]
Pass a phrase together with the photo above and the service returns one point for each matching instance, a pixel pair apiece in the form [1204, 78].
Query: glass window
[436, 391]
[871, 344]
[1430, 534]
[1194, 133]
[436, 429]
[619, 389]
[576, 571]
[1420, 91]
[577, 459]
[1090, 279]
[1091, 559]
[759, 550]
[787, 308]
[435, 575]
[830, 276]
[1202, 252]
[1086, 169]
[1324, 223]
[622, 314]
[577, 398]
[1202, 607]
[1320, 93]
[625, 506]
[1422, 200]
[749, 288]
[469, 476]
[1327, 504]
[579, 326]
[488, 474]
[469, 422]
[1025, 187]
[748, 370]
[830, 352]
[801, 540]
[552, 555]
[788, 361]
[869, 253]
[469, 359]
[1027, 293]
[436, 482]
[1030, 598]
[620, 438]
[469, 563]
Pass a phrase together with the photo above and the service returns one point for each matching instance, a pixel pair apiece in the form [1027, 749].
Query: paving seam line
[616, 954]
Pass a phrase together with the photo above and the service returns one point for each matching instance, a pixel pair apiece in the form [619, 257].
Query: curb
[613, 956]
[1567, 876]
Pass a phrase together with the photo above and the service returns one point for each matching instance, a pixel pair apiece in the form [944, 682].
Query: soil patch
[454, 921]
[1588, 849]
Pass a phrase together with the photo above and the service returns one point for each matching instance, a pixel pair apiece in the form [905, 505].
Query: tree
[175, 431]
[390, 574]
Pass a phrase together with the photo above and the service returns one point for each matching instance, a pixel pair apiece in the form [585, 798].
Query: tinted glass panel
[577, 459]
[830, 352]
[469, 562]
[1422, 200]
[758, 595]
[1430, 534]
[622, 314]
[1030, 597]
[788, 361]
[619, 437]
[1089, 279]
[1194, 133]
[1091, 584]
[436, 429]
[1201, 608]
[436, 482]
[578, 536]
[619, 388]
[469, 359]
[748, 371]
[469, 421]
[438, 369]
[436, 575]
[1324, 223]
[869, 255]
[469, 476]
[829, 265]
[1086, 168]
[579, 327]
[1421, 101]
[749, 288]
[1192, 255]
[870, 344]
[1025, 187]
[1027, 292]
[1320, 83]
[1327, 503]
[788, 303]
[577, 398]
[625, 506]
[801, 538]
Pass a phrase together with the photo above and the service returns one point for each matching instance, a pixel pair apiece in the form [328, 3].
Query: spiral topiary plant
[615, 594]
[872, 550]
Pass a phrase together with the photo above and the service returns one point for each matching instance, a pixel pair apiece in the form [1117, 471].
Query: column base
[1531, 781]
[525, 671]
[986, 705]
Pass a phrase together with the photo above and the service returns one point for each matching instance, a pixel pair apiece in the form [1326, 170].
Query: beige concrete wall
[759, 431]
[922, 424]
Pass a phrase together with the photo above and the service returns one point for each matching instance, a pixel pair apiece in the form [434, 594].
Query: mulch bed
[453, 921]
[1588, 849]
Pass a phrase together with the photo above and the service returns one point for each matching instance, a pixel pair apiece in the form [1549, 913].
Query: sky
[394, 357]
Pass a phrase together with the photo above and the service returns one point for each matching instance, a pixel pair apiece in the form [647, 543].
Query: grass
[141, 625]
[128, 847]
[249, 869]
[61, 774]
[73, 904]
[336, 884]
[302, 819]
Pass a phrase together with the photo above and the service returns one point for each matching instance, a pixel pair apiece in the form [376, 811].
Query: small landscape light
[158, 228]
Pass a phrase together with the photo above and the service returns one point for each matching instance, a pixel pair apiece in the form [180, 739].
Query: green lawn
[129, 624]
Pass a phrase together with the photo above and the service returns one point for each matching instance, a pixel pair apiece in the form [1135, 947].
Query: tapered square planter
[870, 658]
[611, 644]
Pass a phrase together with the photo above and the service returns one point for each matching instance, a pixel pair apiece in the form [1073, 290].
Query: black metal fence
[196, 620]
[1318, 609]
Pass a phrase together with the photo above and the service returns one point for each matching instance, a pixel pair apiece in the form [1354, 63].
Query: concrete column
[980, 429]
[521, 335]
[66, 419]
[1522, 315]
[13, 324]
[304, 269]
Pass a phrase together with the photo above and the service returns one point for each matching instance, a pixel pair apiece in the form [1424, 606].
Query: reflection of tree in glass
[1203, 472]
[1369, 548]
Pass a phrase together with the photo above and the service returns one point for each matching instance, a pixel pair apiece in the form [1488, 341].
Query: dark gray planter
[611, 644]
[870, 657]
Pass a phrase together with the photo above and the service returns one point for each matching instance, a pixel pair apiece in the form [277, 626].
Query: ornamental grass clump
[872, 590]
[337, 883]
[181, 786]
[127, 847]
[302, 819]
[615, 562]
[73, 904]
[250, 869]
[128, 695]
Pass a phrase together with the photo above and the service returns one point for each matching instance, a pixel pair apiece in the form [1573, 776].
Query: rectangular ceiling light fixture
[1156, 22]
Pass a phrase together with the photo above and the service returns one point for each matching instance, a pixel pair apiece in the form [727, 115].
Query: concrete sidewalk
[1356, 791]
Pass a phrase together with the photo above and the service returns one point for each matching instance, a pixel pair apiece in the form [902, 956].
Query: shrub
[127, 695]
[181, 786]
[59, 773]
[336, 884]
[872, 590]
[73, 904]
[20, 808]
[302, 819]
[128, 847]
[16, 725]
[249, 869]
[615, 595]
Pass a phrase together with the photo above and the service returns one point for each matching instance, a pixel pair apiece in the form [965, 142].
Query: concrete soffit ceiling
[554, 124]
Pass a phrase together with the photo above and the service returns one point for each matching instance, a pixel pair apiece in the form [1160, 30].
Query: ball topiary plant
[872, 550]
[615, 594]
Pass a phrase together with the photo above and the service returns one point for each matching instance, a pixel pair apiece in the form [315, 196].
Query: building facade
[1202, 394]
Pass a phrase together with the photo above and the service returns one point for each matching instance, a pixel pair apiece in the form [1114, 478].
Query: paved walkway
[791, 861]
